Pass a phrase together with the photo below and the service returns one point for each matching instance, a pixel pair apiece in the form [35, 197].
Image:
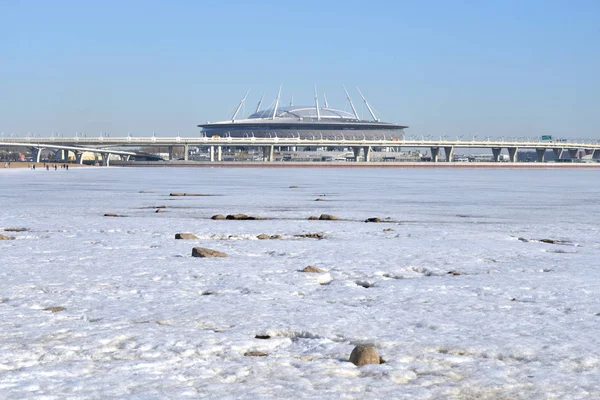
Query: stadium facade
[305, 122]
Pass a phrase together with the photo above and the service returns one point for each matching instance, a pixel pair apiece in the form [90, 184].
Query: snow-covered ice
[454, 288]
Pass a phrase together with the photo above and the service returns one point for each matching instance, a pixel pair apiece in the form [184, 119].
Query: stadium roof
[304, 112]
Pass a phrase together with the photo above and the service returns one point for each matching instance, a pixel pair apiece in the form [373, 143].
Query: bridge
[64, 150]
[102, 145]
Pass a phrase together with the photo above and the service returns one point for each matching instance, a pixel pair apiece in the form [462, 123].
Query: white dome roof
[304, 112]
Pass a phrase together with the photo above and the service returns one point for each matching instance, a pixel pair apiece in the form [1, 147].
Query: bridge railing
[297, 141]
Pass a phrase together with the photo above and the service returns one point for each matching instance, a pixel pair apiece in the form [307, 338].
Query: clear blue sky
[511, 68]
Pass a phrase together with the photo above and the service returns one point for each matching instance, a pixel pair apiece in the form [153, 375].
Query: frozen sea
[456, 304]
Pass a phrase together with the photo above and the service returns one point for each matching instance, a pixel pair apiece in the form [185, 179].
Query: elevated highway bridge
[64, 149]
[114, 145]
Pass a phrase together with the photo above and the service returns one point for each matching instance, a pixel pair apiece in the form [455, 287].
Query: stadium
[305, 122]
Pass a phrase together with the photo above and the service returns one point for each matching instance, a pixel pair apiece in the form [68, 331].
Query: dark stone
[312, 269]
[328, 217]
[363, 355]
[187, 236]
[255, 354]
[207, 253]
[237, 217]
[311, 235]
[262, 337]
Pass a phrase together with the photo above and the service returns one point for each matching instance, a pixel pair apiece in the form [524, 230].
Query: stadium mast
[368, 106]
[237, 110]
[259, 102]
[277, 102]
[351, 104]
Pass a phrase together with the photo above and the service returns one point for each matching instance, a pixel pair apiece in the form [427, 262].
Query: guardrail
[282, 141]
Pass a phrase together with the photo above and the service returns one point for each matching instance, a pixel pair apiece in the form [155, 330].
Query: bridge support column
[105, 159]
[36, 153]
[79, 157]
[496, 153]
[356, 151]
[219, 153]
[573, 153]
[540, 154]
[269, 153]
[596, 154]
[170, 153]
[435, 154]
[186, 149]
[449, 151]
[367, 153]
[558, 152]
[125, 157]
[211, 152]
[512, 154]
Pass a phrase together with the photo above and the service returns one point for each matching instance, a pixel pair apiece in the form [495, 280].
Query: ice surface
[455, 303]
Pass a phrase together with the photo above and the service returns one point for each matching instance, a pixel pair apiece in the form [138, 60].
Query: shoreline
[316, 164]
[40, 165]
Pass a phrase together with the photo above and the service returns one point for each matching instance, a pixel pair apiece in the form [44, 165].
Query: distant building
[307, 122]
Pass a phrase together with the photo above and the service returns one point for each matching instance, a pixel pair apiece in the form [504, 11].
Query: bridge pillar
[105, 159]
[596, 154]
[496, 153]
[186, 149]
[269, 153]
[540, 154]
[367, 153]
[36, 153]
[573, 153]
[219, 153]
[449, 151]
[125, 157]
[170, 153]
[356, 151]
[435, 154]
[211, 152]
[512, 154]
[558, 152]
[79, 157]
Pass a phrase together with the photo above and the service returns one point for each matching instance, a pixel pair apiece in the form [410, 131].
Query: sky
[451, 68]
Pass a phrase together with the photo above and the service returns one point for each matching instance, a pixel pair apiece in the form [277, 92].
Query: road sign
[546, 137]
